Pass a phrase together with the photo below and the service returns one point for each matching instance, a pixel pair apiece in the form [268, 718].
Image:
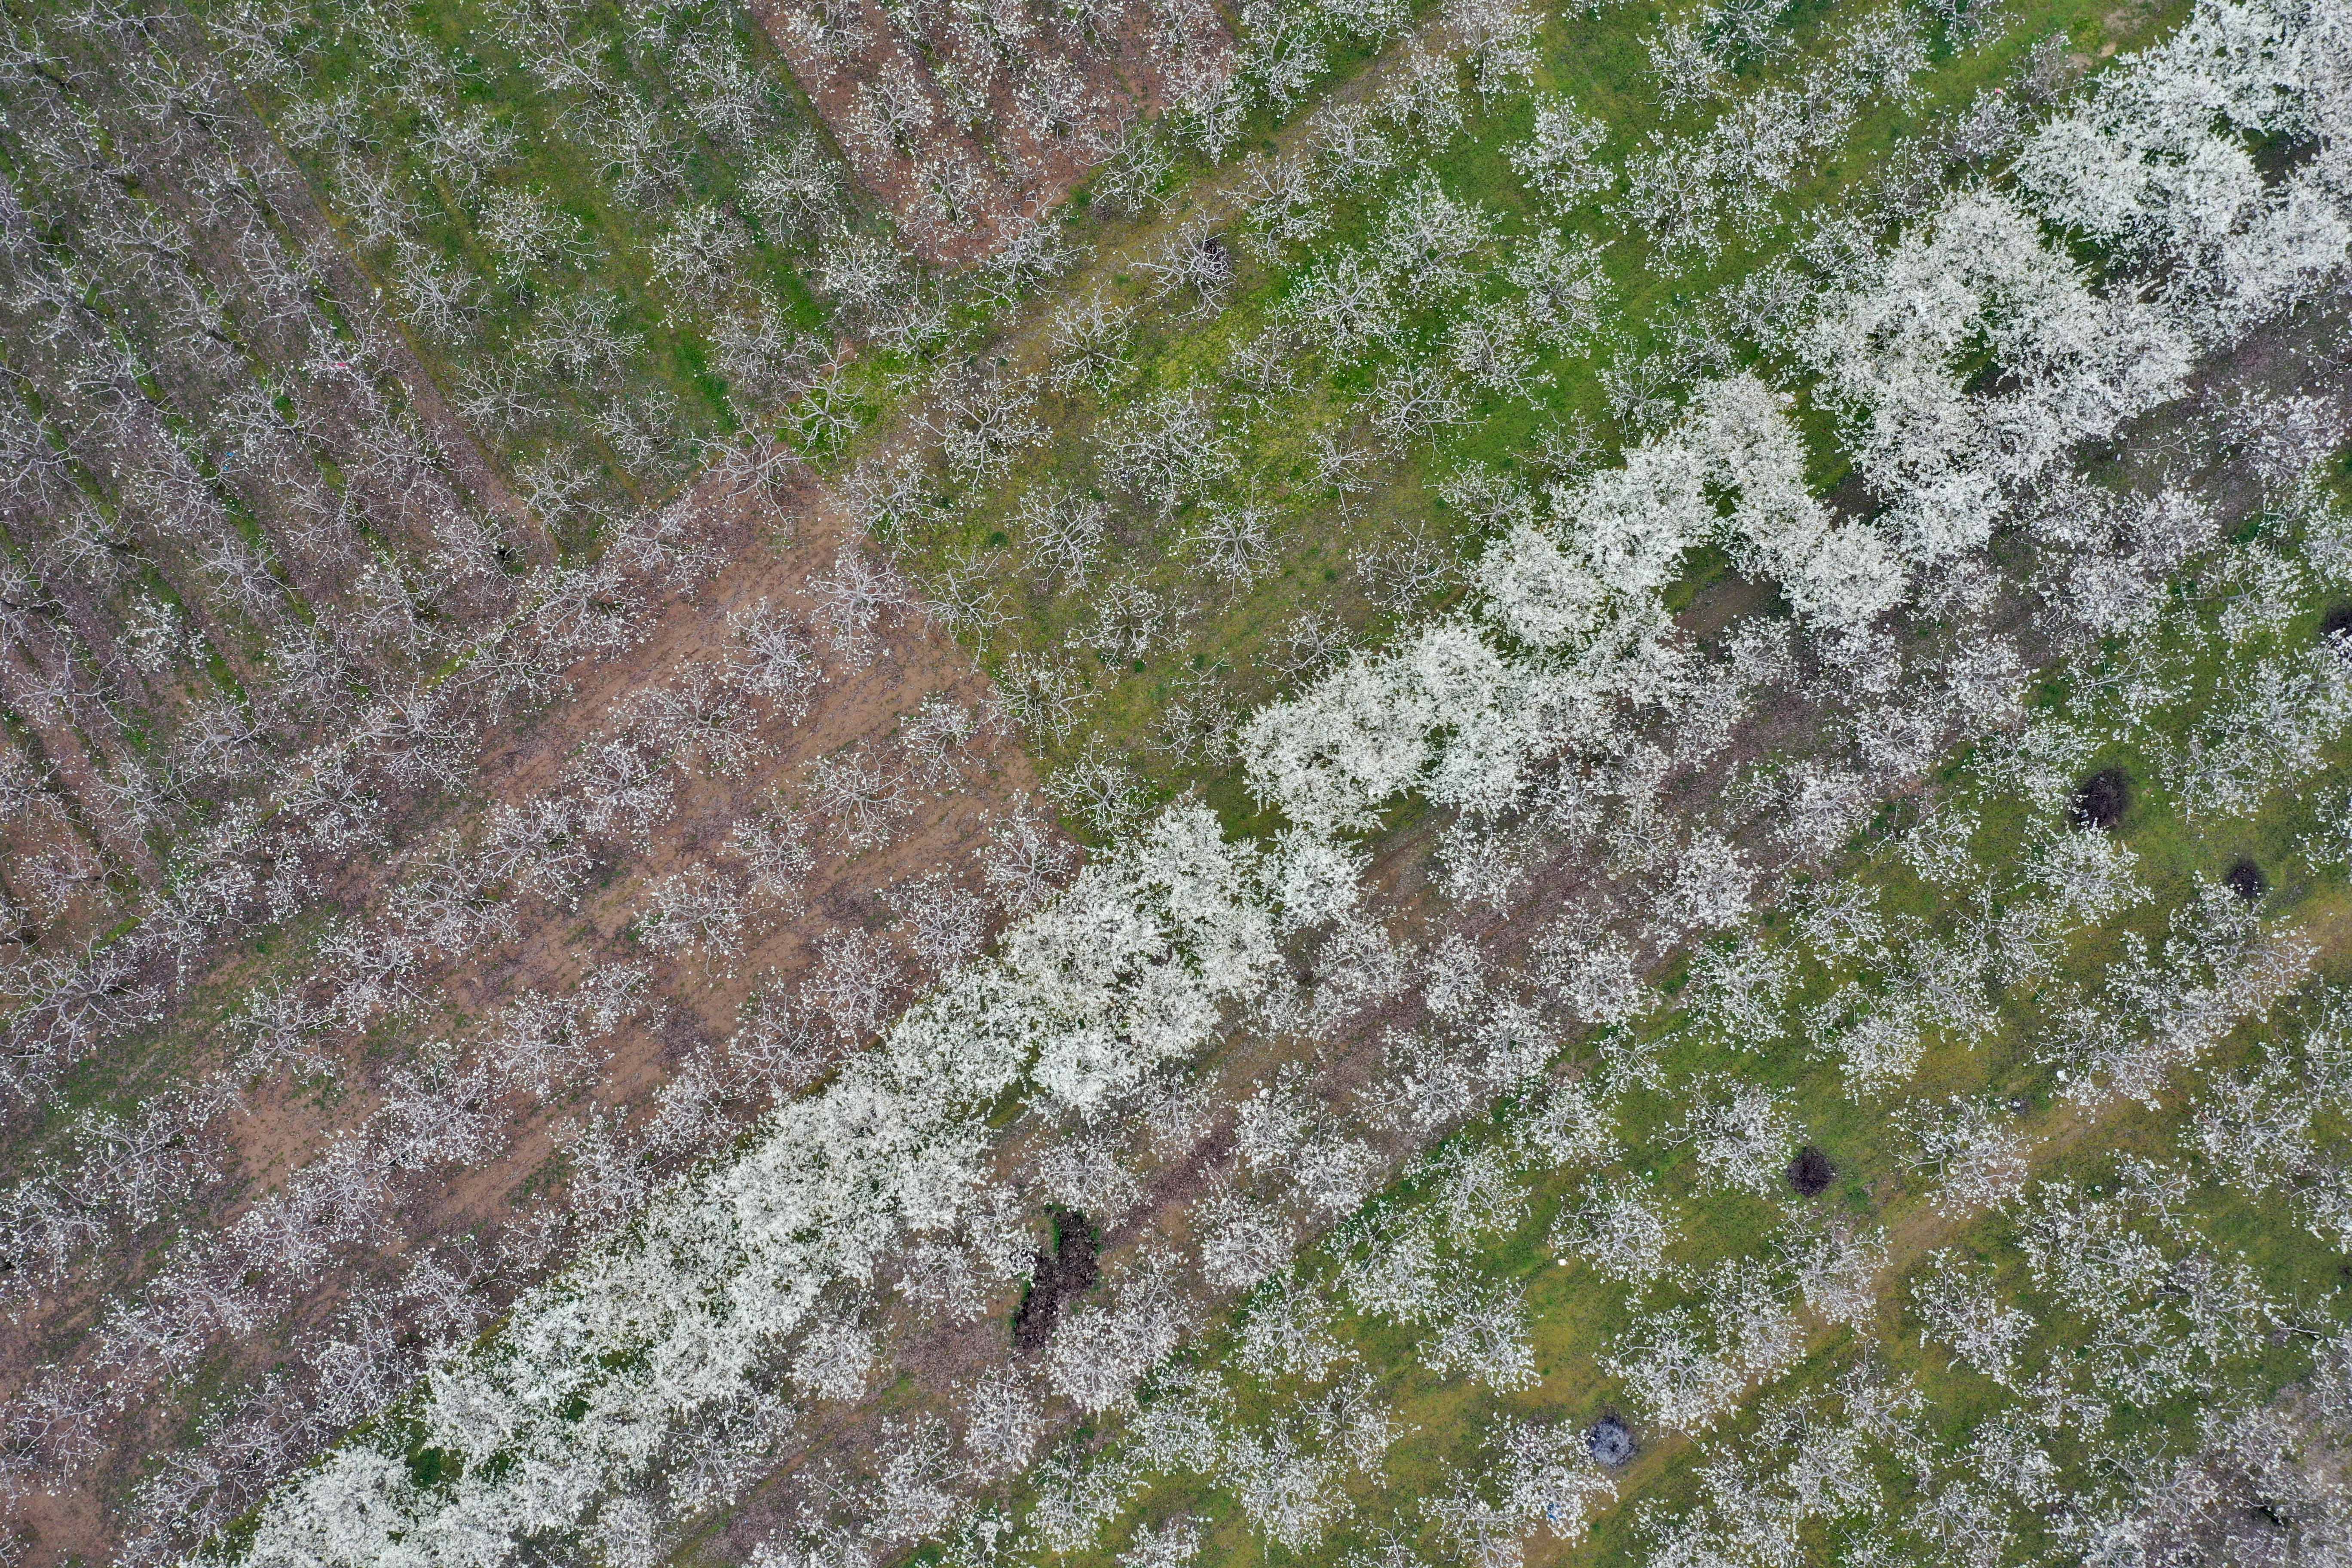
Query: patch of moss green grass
[1576, 1311]
[1322, 542]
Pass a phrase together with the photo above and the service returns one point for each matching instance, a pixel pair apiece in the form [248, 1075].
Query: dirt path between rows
[776, 550]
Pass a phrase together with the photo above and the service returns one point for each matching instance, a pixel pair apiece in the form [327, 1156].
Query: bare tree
[853, 598]
[695, 910]
[1026, 864]
[857, 979]
[865, 798]
[773, 845]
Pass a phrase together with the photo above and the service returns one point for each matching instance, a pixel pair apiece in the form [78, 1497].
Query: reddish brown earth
[1035, 121]
[776, 547]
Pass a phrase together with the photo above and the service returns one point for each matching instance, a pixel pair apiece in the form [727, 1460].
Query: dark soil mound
[1058, 1276]
[2335, 628]
[1811, 1172]
[2101, 800]
[2246, 880]
[1610, 1441]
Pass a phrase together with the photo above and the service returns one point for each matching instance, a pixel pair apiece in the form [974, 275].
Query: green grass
[1576, 1313]
[1317, 564]
[352, 110]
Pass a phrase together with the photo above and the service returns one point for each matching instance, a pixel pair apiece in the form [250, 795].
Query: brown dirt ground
[280, 1129]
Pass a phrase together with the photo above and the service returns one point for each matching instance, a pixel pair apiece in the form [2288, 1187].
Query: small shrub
[1058, 1276]
[1610, 1441]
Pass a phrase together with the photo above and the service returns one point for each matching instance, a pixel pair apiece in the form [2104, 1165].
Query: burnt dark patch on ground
[1610, 1441]
[1059, 1275]
[2246, 880]
[2101, 800]
[1811, 1170]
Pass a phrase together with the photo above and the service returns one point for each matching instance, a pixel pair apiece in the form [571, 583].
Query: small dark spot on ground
[2246, 880]
[1610, 1441]
[2101, 800]
[1811, 1172]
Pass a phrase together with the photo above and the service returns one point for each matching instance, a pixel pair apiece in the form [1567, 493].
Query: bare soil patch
[966, 140]
[690, 999]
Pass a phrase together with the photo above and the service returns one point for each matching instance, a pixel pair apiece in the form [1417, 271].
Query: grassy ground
[1335, 560]
[591, 173]
[2076, 1145]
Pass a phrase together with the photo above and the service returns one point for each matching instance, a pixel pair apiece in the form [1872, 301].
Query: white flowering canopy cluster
[1981, 285]
[2155, 167]
[1127, 970]
[1733, 472]
[1964, 364]
[1571, 620]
